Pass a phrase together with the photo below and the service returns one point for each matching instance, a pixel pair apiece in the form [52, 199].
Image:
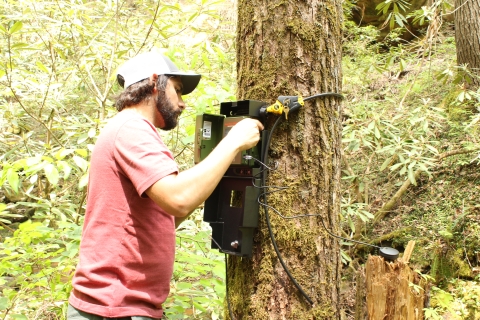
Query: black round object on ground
[390, 254]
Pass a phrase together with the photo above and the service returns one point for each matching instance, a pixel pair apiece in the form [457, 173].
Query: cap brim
[189, 80]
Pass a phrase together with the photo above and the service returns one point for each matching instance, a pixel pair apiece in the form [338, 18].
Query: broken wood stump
[393, 290]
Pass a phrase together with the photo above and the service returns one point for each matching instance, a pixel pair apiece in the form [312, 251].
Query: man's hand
[245, 133]
[179, 194]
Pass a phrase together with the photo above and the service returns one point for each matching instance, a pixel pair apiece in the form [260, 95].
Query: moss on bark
[284, 48]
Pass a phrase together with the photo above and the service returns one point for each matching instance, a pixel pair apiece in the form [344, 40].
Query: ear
[153, 78]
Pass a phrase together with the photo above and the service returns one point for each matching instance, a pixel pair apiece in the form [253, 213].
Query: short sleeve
[141, 154]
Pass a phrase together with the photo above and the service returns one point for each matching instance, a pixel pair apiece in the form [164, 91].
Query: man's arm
[179, 220]
[179, 194]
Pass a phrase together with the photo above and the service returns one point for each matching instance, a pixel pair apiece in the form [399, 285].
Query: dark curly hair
[138, 91]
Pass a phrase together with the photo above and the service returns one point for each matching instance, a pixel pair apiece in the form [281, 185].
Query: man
[137, 196]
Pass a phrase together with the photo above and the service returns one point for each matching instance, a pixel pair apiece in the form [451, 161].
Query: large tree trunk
[467, 36]
[285, 48]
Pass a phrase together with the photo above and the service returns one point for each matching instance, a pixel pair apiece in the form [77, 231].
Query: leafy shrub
[36, 268]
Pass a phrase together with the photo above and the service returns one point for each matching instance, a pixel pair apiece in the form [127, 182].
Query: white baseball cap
[144, 65]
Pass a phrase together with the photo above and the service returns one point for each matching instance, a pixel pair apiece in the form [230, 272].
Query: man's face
[170, 104]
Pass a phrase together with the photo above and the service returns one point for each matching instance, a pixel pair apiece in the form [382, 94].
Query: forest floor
[441, 213]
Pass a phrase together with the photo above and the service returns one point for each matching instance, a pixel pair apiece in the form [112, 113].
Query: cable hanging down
[283, 105]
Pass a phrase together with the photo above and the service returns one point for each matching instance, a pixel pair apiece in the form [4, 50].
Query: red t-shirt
[128, 242]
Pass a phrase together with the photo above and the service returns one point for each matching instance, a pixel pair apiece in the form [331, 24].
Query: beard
[167, 110]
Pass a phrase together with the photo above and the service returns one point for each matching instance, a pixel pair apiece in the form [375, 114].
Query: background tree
[283, 49]
[467, 37]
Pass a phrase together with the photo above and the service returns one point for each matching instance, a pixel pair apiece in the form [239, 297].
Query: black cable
[351, 240]
[278, 188]
[297, 105]
[314, 215]
[267, 217]
[325, 94]
[264, 195]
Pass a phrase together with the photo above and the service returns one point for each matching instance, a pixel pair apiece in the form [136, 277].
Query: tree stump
[394, 291]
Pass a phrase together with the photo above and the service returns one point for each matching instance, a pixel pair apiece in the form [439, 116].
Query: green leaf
[412, 164]
[371, 125]
[351, 224]
[81, 163]
[92, 132]
[423, 167]
[16, 27]
[82, 138]
[62, 153]
[33, 161]
[403, 65]
[166, 6]
[368, 214]
[199, 306]
[51, 173]
[83, 181]
[20, 45]
[11, 215]
[432, 314]
[425, 125]
[206, 60]
[188, 139]
[3, 303]
[193, 16]
[386, 163]
[446, 234]
[345, 257]
[395, 166]
[377, 133]
[42, 67]
[183, 285]
[65, 167]
[13, 180]
[411, 176]
[390, 61]
[399, 19]
[380, 6]
[82, 152]
[206, 283]
[193, 62]
[36, 167]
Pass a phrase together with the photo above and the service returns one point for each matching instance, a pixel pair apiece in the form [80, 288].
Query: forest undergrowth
[411, 158]
[411, 146]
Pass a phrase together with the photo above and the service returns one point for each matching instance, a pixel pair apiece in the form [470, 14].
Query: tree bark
[293, 47]
[467, 36]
